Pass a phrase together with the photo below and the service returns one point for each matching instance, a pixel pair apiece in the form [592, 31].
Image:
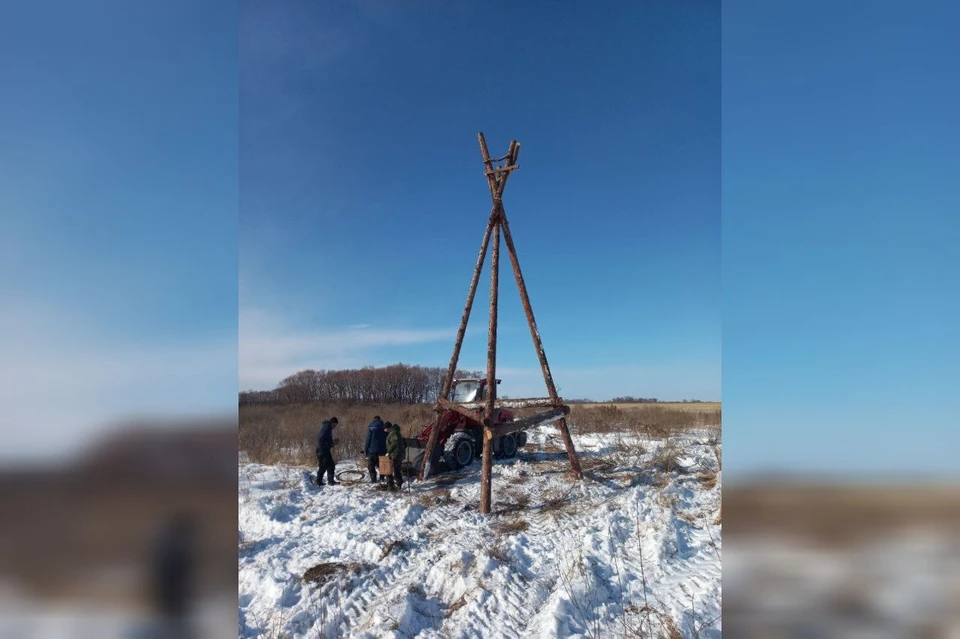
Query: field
[287, 433]
[77, 540]
[873, 560]
[632, 550]
[686, 407]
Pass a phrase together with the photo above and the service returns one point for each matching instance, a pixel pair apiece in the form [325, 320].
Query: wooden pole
[496, 185]
[486, 478]
[425, 468]
[537, 343]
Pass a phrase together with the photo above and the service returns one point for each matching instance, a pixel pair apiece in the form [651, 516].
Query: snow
[627, 546]
[899, 585]
[21, 616]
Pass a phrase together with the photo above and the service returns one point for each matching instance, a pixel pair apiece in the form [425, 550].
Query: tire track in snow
[432, 587]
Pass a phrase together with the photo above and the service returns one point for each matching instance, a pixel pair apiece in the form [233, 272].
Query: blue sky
[840, 238]
[119, 200]
[357, 124]
[363, 202]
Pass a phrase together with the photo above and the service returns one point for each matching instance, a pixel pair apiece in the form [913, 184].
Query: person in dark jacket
[325, 463]
[375, 446]
[396, 451]
[174, 571]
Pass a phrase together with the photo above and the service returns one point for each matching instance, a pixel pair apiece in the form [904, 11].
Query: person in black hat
[325, 461]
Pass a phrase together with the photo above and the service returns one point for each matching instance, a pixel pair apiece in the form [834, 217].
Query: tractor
[460, 439]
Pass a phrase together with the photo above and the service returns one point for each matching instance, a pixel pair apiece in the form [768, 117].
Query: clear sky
[841, 237]
[118, 156]
[363, 201]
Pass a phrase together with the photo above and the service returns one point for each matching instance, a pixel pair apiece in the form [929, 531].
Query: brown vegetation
[288, 432]
[512, 526]
[272, 434]
[321, 573]
[832, 514]
[85, 531]
[667, 457]
[396, 384]
[690, 407]
[654, 420]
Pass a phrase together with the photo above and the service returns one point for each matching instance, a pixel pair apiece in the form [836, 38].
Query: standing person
[174, 574]
[396, 450]
[375, 446]
[325, 463]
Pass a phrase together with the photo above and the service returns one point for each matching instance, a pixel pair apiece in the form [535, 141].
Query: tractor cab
[465, 391]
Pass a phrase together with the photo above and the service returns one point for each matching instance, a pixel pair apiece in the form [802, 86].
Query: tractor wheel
[509, 443]
[521, 438]
[458, 451]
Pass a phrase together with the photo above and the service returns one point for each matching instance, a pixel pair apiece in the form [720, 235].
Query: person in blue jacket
[375, 446]
[325, 461]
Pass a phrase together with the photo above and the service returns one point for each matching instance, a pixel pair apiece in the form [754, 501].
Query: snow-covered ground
[630, 549]
[23, 618]
[902, 585]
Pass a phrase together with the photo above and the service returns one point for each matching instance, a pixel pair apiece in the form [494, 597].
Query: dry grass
[660, 480]
[273, 434]
[691, 407]
[514, 502]
[604, 465]
[396, 543]
[322, 573]
[667, 501]
[839, 515]
[707, 478]
[521, 499]
[498, 552]
[512, 526]
[455, 606]
[555, 500]
[667, 457]
[435, 497]
[649, 420]
[672, 632]
[288, 433]
[718, 453]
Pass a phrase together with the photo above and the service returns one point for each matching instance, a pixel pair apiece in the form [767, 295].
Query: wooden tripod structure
[497, 180]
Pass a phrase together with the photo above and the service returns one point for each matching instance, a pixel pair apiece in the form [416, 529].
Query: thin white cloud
[63, 381]
[271, 348]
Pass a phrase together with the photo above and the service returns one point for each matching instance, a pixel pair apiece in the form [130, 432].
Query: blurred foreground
[855, 560]
[135, 538]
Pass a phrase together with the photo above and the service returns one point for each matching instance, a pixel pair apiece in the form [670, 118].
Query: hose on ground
[351, 476]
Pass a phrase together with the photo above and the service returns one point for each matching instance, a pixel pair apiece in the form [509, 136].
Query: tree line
[395, 384]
